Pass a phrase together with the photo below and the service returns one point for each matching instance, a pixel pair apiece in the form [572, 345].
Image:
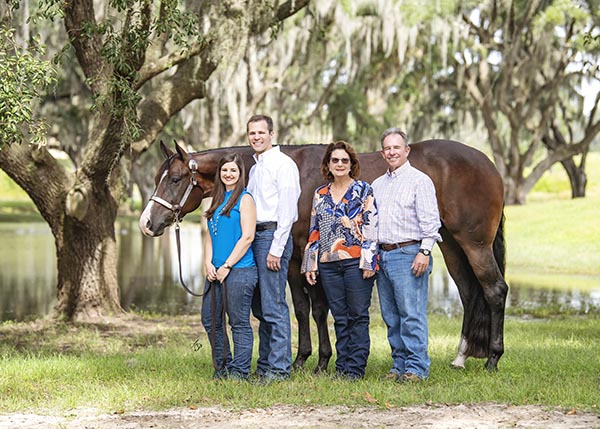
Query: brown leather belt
[393, 246]
[264, 226]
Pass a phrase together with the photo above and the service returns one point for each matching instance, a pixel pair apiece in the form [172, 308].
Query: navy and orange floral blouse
[345, 230]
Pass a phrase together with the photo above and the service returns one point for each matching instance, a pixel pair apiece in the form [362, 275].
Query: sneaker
[339, 375]
[253, 377]
[220, 374]
[350, 376]
[266, 379]
[236, 376]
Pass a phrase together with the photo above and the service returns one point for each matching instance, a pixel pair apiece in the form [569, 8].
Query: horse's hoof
[491, 364]
[457, 367]
[298, 363]
[491, 367]
[319, 371]
[322, 366]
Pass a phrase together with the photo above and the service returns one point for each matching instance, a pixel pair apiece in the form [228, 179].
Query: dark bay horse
[470, 196]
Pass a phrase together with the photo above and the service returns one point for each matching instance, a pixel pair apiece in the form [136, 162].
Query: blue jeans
[270, 307]
[240, 285]
[349, 297]
[403, 300]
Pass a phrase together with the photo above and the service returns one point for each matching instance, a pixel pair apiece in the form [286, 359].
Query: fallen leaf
[572, 412]
[370, 399]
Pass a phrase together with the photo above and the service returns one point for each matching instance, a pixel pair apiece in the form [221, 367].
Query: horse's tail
[477, 323]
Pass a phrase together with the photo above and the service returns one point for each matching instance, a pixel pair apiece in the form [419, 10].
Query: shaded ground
[480, 416]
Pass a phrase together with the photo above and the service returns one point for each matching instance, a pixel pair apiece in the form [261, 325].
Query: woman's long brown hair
[218, 193]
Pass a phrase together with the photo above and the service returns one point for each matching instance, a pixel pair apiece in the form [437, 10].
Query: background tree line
[509, 77]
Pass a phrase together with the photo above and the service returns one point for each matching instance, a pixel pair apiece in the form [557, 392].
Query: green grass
[555, 237]
[151, 365]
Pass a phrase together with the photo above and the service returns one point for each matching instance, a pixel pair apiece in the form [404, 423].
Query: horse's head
[178, 192]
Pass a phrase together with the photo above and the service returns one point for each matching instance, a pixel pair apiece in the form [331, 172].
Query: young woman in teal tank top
[229, 261]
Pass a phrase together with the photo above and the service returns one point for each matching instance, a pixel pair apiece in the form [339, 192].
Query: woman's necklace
[214, 223]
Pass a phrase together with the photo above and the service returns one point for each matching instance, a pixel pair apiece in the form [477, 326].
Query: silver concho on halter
[193, 166]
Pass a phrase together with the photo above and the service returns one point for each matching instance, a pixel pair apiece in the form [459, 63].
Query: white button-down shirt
[274, 182]
[407, 207]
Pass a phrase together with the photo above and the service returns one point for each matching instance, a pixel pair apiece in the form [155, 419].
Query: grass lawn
[553, 239]
[150, 363]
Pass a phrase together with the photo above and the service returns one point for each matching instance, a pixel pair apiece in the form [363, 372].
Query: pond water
[149, 277]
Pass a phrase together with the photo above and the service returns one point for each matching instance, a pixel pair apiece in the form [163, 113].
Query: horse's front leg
[301, 302]
[320, 310]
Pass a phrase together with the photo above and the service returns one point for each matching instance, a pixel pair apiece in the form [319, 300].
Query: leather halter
[176, 209]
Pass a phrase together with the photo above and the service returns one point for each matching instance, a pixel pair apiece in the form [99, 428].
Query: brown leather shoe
[391, 376]
[409, 377]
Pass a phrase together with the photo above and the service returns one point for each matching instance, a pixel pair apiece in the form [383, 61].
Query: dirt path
[478, 416]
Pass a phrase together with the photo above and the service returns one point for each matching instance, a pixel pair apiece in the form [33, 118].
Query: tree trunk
[577, 177]
[513, 192]
[88, 289]
[81, 213]
[142, 174]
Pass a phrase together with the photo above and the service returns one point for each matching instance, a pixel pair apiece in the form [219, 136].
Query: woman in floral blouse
[342, 250]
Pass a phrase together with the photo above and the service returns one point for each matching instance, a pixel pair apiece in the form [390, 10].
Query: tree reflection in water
[149, 277]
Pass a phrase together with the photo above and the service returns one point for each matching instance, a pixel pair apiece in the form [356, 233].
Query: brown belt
[393, 246]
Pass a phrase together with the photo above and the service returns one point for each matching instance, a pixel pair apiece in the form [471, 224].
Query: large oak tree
[142, 62]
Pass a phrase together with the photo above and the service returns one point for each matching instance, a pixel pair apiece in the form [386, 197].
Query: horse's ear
[165, 150]
[182, 153]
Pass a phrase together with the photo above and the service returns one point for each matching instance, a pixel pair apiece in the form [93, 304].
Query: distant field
[554, 184]
[554, 238]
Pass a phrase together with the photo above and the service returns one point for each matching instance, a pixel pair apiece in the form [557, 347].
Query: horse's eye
[175, 180]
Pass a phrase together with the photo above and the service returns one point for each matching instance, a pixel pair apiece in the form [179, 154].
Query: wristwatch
[227, 266]
[425, 252]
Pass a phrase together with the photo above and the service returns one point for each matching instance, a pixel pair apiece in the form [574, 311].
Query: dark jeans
[240, 285]
[349, 297]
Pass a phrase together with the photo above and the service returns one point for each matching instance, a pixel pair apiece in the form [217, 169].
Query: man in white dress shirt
[274, 183]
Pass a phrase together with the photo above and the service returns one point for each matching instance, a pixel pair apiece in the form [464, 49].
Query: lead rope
[178, 240]
[213, 329]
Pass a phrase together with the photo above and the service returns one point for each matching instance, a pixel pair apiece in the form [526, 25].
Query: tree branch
[154, 68]
[81, 28]
[39, 174]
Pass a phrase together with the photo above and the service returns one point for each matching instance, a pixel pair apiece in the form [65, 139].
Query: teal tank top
[225, 231]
